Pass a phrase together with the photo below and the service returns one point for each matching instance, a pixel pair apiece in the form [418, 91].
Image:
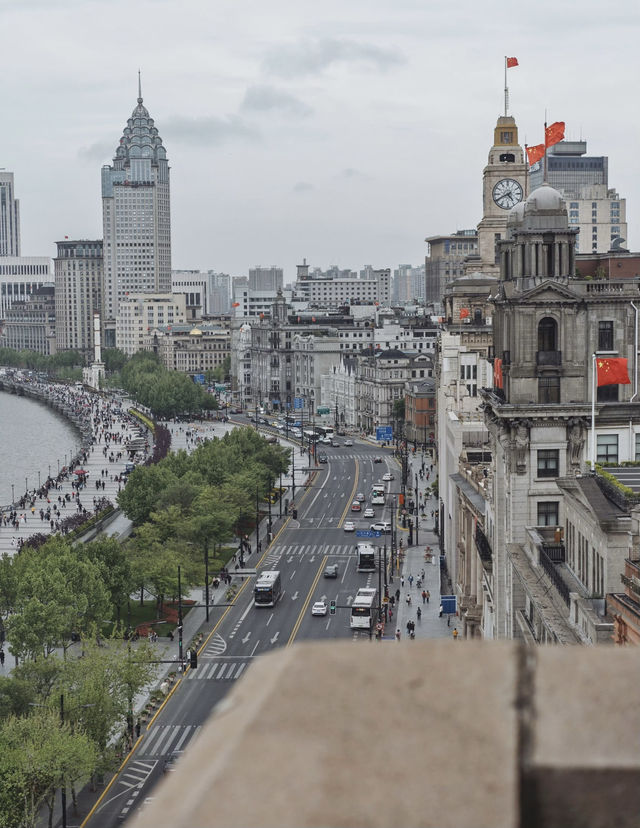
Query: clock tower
[503, 186]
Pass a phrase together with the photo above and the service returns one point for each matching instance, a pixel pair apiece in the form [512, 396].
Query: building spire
[139, 88]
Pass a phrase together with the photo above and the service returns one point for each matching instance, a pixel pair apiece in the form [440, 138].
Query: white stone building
[139, 314]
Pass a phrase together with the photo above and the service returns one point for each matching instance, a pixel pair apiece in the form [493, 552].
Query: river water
[33, 439]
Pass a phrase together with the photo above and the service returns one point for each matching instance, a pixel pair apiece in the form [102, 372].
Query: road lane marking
[296, 626]
[353, 494]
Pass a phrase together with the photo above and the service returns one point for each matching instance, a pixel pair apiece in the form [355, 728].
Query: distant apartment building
[445, 262]
[207, 294]
[593, 207]
[9, 216]
[79, 270]
[267, 279]
[141, 313]
[30, 323]
[408, 285]
[20, 276]
[372, 288]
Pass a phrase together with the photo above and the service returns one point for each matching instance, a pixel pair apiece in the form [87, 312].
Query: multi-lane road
[300, 551]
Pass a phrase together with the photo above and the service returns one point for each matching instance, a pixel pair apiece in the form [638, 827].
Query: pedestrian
[1, 658]
[398, 596]
[398, 634]
[455, 634]
[424, 596]
[428, 596]
[408, 600]
[440, 611]
[410, 580]
[138, 728]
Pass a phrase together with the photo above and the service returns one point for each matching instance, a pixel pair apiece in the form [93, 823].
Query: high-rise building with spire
[136, 217]
[9, 217]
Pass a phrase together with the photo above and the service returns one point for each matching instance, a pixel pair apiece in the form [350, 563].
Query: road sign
[298, 402]
[384, 434]
[198, 379]
[367, 533]
[323, 409]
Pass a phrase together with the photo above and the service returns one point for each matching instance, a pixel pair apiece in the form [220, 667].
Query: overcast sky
[343, 131]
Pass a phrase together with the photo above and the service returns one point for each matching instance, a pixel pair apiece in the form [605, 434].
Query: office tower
[136, 217]
[265, 278]
[79, 271]
[445, 262]
[9, 217]
[596, 210]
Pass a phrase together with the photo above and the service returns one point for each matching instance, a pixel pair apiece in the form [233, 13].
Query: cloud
[312, 57]
[351, 173]
[100, 151]
[270, 99]
[303, 187]
[209, 131]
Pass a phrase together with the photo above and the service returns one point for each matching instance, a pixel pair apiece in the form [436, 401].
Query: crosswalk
[313, 550]
[162, 740]
[218, 670]
[216, 646]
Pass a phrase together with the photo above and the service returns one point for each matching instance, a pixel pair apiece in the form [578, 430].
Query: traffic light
[295, 514]
[332, 607]
[193, 658]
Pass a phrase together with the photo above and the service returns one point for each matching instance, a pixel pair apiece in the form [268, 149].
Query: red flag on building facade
[498, 381]
[464, 313]
[235, 305]
[511, 62]
[612, 372]
[554, 133]
[534, 154]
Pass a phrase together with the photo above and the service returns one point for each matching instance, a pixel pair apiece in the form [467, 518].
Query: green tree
[39, 754]
[114, 359]
[144, 487]
[398, 409]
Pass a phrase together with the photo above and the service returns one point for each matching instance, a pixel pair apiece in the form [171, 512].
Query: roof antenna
[139, 88]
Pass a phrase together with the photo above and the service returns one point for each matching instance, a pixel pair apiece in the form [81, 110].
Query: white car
[381, 526]
[319, 608]
[326, 441]
[387, 476]
[369, 513]
[349, 526]
[348, 442]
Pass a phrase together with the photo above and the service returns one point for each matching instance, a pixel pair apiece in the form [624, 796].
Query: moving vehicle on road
[331, 571]
[355, 506]
[378, 495]
[387, 476]
[268, 589]
[319, 608]
[364, 609]
[377, 459]
[381, 526]
[349, 526]
[348, 442]
[360, 497]
[322, 457]
[324, 432]
[369, 513]
[366, 557]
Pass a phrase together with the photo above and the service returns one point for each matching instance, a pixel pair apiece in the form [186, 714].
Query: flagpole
[506, 89]
[593, 413]
[545, 147]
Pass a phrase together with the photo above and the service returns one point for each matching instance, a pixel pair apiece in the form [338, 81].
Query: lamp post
[206, 577]
[257, 521]
[38, 478]
[13, 497]
[280, 499]
[26, 486]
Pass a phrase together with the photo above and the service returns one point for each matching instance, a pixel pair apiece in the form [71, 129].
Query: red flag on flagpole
[554, 133]
[612, 372]
[464, 313]
[534, 154]
[511, 62]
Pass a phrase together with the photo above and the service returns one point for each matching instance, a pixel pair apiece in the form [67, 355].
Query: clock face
[507, 193]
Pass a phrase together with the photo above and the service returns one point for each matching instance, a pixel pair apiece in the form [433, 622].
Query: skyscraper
[78, 279]
[136, 217]
[9, 217]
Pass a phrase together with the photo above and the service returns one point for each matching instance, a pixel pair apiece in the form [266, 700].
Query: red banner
[511, 62]
[612, 372]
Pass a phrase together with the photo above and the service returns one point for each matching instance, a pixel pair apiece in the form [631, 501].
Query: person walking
[428, 594]
[424, 596]
[455, 634]
[1, 658]
[398, 634]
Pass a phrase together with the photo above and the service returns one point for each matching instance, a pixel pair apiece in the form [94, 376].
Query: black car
[377, 459]
[322, 457]
[331, 571]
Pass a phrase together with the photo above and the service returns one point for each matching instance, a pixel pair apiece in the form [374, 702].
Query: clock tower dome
[503, 186]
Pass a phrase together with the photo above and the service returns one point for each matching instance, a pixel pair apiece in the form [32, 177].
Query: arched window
[547, 334]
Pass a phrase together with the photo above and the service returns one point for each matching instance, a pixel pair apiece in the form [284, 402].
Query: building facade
[193, 350]
[30, 323]
[9, 216]
[267, 279]
[374, 287]
[79, 270]
[444, 262]
[20, 276]
[141, 313]
[136, 217]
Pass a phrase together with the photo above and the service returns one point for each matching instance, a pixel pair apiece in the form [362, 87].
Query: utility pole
[257, 520]
[280, 494]
[379, 585]
[206, 577]
[293, 477]
[180, 655]
[269, 521]
[63, 788]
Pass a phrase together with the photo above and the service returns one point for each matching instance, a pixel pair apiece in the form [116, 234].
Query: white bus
[364, 609]
[378, 494]
[268, 589]
[366, 557]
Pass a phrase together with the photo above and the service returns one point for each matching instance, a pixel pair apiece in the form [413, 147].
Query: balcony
[548, 359]
[484, 548]
[554, 576]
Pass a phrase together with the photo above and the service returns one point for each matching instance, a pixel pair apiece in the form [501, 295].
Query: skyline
[302, 132]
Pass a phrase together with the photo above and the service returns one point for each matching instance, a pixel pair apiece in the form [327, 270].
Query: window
[549, 390]
[637, 457]
[548, 461]
[605, 336]
[547, 334]
[548, 513]
[607, 448]
[607, 393]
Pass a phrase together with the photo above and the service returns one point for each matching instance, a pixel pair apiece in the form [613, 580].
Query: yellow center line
[353, 494]
[296, 626]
